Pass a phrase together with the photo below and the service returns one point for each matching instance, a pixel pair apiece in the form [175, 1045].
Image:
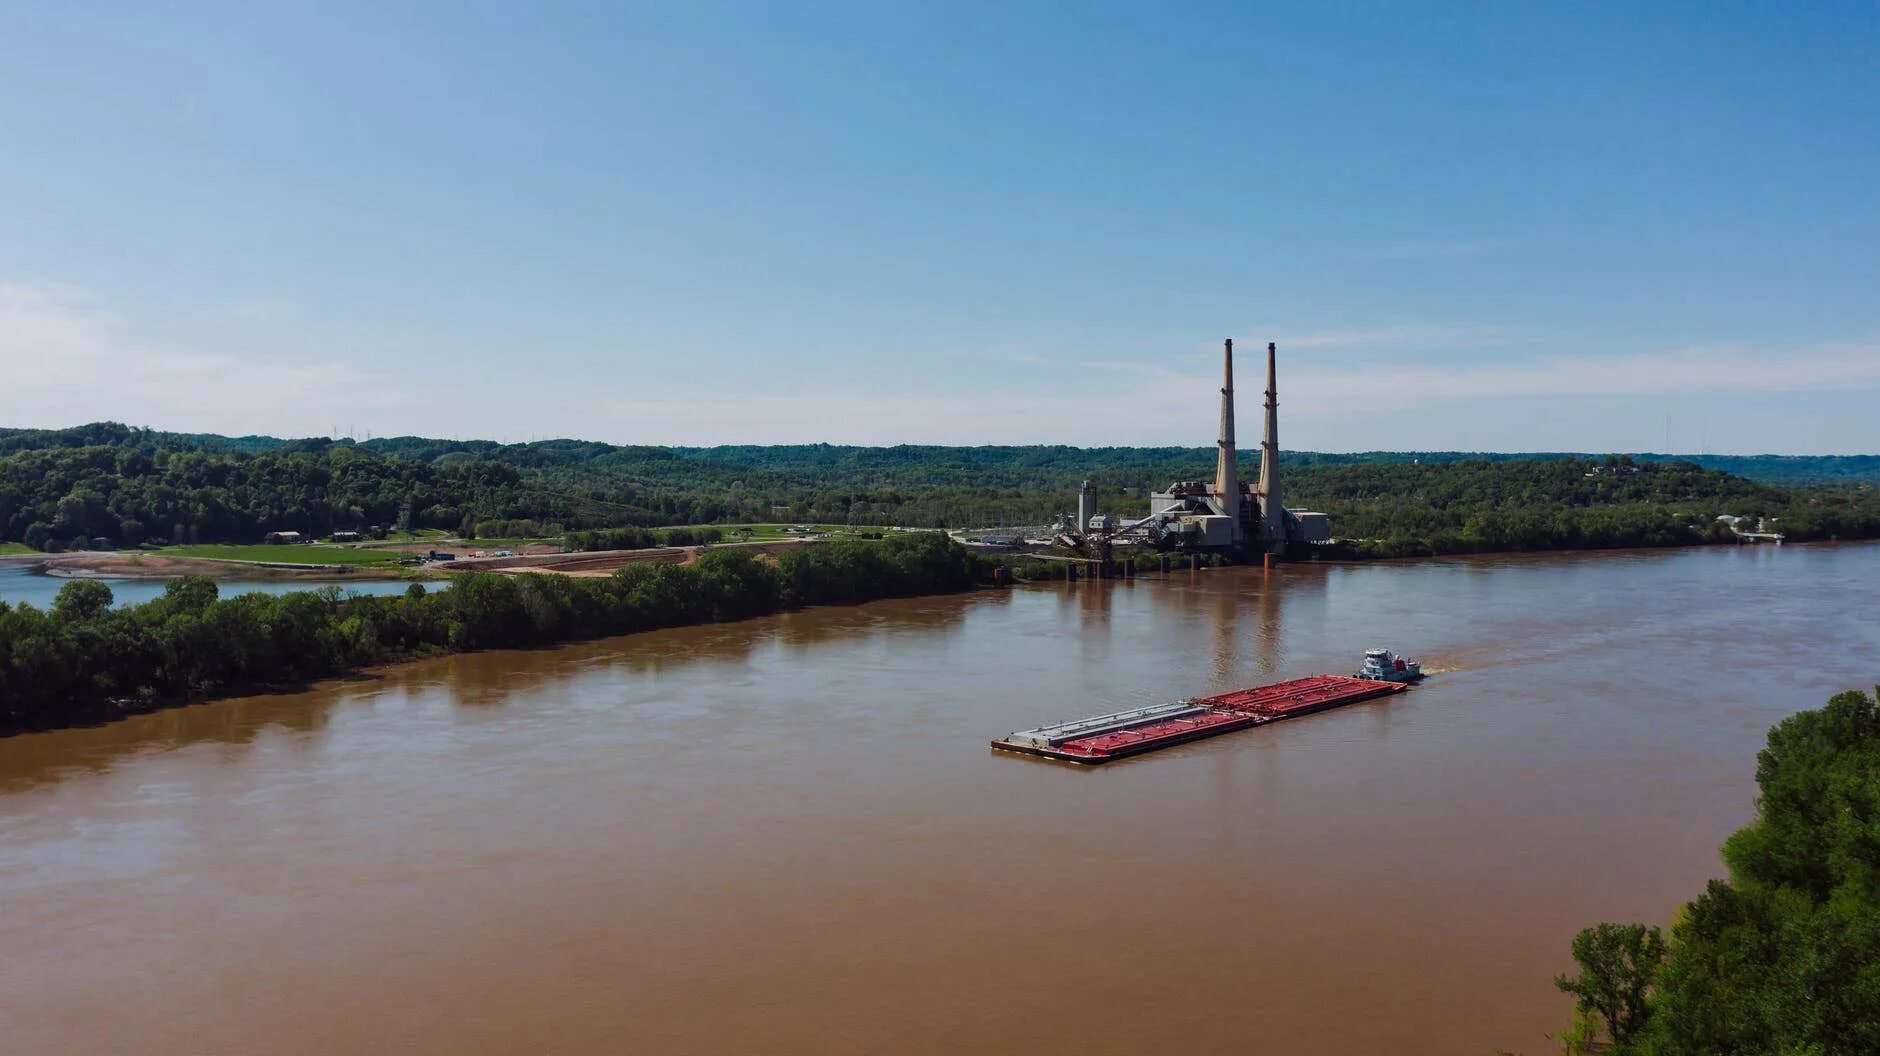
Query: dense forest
[84, 660]
[1481, 506]
[61, 487]
[1784, 956]
[641, 538]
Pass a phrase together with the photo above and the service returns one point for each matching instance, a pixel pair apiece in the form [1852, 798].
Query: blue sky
[1496, 226]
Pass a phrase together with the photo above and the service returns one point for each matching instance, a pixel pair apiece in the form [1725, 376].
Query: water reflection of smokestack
[1231, 593]
[1224, 595]
[1268, 646]
[1096, 596]
[1092, 600]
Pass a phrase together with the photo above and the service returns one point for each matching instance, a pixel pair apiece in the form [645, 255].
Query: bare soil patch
[604, 562]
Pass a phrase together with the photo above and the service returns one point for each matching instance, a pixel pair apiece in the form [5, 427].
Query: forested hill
[1036, 466]
[1057, 464]
[128, 484]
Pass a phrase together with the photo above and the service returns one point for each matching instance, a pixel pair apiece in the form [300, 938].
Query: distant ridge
[71, 488]
[1033, 463]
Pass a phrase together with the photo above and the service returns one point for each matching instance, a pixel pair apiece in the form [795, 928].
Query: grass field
[770, 533]
[16, 548]
[737, 533]
[291, 554]
[367, 554]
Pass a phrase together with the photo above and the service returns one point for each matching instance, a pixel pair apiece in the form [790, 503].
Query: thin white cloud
[1150, 410]
[1167, 406]
[1402, 337]
[1711, 369]
[67, 361]
[64, 361]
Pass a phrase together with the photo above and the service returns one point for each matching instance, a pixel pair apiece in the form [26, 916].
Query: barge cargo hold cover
[1125, 733]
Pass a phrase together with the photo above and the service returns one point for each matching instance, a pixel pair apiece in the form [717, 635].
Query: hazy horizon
[1530, 228]
[364, 439]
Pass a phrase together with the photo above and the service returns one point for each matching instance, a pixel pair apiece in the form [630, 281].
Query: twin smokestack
[1226, 472]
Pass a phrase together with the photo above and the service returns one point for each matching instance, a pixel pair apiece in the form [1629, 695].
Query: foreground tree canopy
[1783, 958]
[84, 660]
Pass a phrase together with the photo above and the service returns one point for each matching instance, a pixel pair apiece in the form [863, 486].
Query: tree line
[1784, 956]
[83, 660]
[127, 485]
[1489, 506]
[641, 538]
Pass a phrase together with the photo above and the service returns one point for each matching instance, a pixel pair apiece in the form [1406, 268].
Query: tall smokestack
[1272, 513]
[1226, 475]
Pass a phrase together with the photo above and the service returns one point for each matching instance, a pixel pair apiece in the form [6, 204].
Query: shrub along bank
[1784, 956]
[85, 661]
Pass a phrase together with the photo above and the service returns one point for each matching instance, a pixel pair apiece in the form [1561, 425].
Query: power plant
[1222, 515]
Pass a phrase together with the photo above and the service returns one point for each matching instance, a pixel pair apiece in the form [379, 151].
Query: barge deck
[1106, 737]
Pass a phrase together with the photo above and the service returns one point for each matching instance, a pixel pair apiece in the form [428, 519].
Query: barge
[1105, 737]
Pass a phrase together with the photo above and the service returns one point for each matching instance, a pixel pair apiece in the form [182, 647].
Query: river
[787, 835]
[21, 583]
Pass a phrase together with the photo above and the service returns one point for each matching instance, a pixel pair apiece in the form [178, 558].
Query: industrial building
[1222, 515]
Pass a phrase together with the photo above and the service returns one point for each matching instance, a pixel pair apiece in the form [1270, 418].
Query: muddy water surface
[789, 836]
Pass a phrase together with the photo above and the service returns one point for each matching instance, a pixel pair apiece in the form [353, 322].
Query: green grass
[768, 533]
[16, 548]
[293, 554]
[366, 553]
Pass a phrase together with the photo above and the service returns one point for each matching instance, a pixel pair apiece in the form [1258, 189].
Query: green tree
[190, 593]
[82, 511]
[1618, 963]
[81, 599]
[1784, 956]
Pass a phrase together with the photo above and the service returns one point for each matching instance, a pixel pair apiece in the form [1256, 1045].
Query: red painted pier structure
[1105, 737]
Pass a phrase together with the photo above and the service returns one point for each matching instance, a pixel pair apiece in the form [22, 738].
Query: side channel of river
[788, 835]
[20, 583]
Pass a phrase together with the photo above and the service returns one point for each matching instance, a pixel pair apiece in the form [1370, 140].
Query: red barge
[1106, 737]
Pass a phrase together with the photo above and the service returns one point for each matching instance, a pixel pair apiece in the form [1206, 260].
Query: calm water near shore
[20, 583]
[788, 835]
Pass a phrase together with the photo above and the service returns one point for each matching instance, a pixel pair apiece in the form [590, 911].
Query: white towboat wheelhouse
[1382, 665]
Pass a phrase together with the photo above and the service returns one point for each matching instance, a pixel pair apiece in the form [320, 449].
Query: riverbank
[80, 660]
[83, 661]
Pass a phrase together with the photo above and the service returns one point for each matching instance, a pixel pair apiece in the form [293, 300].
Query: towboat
[1382, 665]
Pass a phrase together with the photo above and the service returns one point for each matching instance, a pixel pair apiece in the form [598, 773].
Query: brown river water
[789, 836]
